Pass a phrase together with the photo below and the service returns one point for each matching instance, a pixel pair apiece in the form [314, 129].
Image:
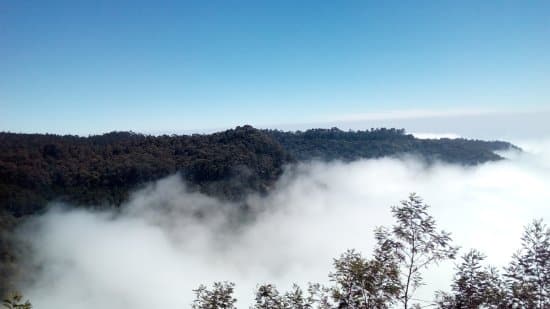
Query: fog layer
[166, 240]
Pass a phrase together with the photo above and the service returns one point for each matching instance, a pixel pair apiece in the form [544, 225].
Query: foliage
[267, 297]
[362, 283]
[415, 242]
[14, 301]
[474, 286]
[398, 258]
[102, 170]
[319, 297]
[295, 298]
[220, 296]
[335, 144]
[528, 275]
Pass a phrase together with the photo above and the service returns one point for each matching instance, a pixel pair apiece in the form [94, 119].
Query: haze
[155, 252]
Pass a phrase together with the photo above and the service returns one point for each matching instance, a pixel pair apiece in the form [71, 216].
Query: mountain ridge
[102, 170]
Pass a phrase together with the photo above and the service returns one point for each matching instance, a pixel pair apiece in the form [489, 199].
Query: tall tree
[362, 283]
[528, 275]
[474, 285]
[415, 242]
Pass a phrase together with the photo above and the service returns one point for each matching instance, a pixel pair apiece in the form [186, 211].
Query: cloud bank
[166, 241]
[504, 124]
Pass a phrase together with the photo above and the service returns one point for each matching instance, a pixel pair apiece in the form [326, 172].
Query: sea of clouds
[166, 241]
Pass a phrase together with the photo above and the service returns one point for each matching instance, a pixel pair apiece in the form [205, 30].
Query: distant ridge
[102, 169]
[335, 144]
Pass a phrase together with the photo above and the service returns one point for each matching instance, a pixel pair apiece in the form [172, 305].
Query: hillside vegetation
[335, 144]
[102, 170]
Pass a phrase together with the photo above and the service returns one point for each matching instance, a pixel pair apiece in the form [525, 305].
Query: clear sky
[94, 66]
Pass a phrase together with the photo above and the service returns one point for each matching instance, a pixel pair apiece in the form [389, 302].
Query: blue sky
[85, 67]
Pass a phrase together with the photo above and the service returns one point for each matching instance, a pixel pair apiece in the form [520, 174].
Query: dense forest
[102, 170]
[335, 144]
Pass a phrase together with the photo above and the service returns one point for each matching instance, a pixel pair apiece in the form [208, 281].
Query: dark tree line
[97, 170]
[335, 144]
[102, 169]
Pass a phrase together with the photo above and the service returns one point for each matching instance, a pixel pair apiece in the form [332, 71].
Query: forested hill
[101, 170]
[335, 144]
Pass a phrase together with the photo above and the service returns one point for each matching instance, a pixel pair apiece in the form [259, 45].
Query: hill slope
[100, 171]
[335, 144]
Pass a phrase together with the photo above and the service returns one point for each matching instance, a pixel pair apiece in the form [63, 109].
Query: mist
[502, 124]
[166, 240]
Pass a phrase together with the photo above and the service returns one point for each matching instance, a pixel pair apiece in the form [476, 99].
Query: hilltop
[101, 170]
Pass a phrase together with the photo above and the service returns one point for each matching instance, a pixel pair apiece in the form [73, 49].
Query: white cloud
[167, 241]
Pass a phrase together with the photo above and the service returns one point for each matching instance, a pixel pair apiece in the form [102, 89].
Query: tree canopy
[102, 170]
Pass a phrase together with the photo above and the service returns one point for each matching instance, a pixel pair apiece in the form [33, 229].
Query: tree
[13, 301]
[415, 243]
[295, 298]
[221, 296]
[268, 297]
[362, 283]
[474, 286]
[528, 275]
[320, 295]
